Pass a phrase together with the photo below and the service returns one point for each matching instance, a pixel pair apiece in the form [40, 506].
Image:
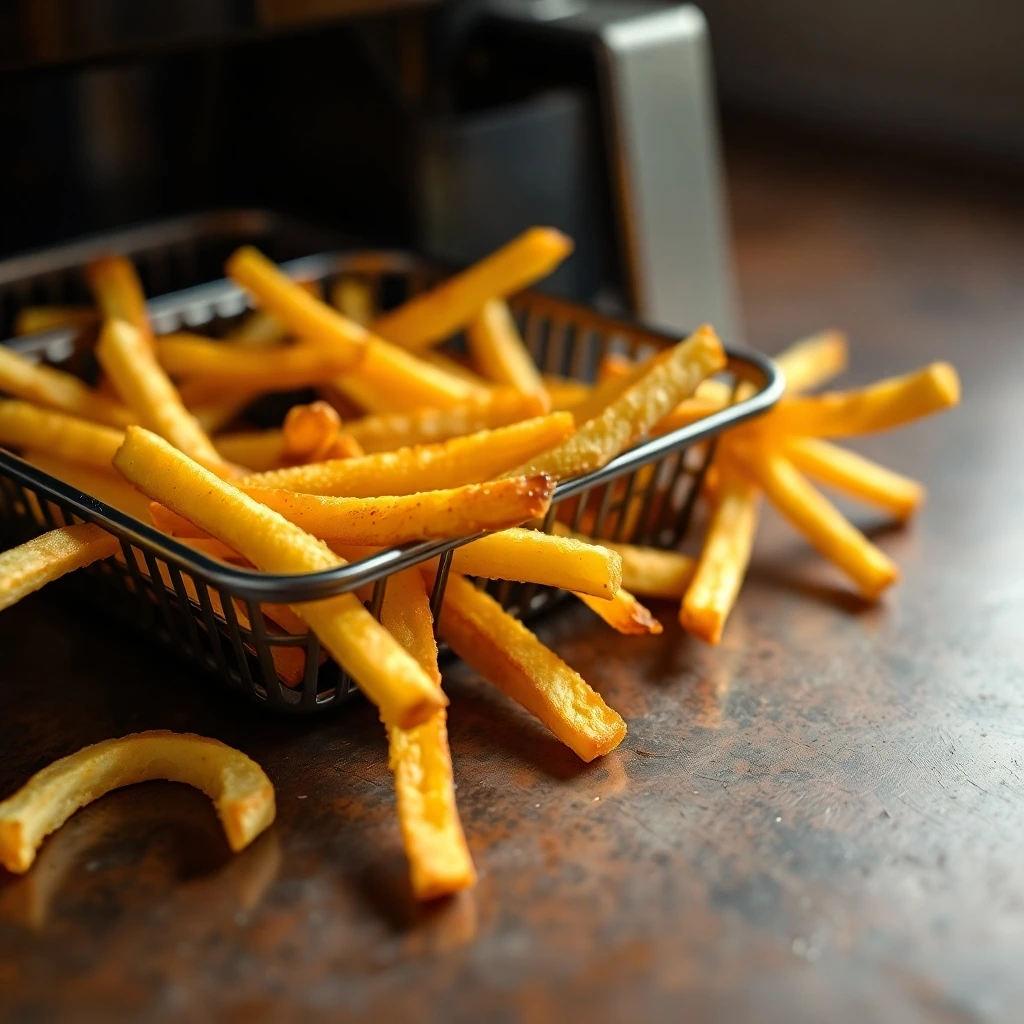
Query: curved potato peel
[242, 794]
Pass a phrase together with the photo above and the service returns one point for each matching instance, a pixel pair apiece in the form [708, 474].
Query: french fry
[354, 298]
[508, 655]
[23, 425]
[141, 381]
[265, 450]
[608, 390]
[882, 406]
[426, 515]
[33, 319]
[58, 390]
[276, 368]
[30, 566]
[649, 572]
[432, 834]
[292, 305]
[432, 316]
[809, 363]
[461, 460]
[310, 431]
[118, 293]
[818, 520]
[855, 476]
[564, 393]
[392, 680]
[499, 351]
[457, 369]
[623, 612]
[240, 790]
[531, 556]
[499, 408]
[670, 378]
[723, 560]
[103, 484]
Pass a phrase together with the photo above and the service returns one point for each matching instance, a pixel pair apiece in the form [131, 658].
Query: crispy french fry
[118, 293]
[649, 572]
[276, 367]
[882, 406]
[33, 319]
[428, 318]
[389, 379]
[508, 655]
[23, 425]
[499, 408]
[434, 842]
[392, 680]
[240, 790]
[56, 389]
[30, 566]
[354, 297]
[535, 557]
[612, 387]
[818, 520]
[670, 378]
[461, 460]
[457, 369]
[98, 483]
[813, 361]
[142, 382]
[723, 560]
[310, 432]
[623, 612]
[292, 305]
[426, 515]
[563, 392]
[265, 450]
[499, 351]
[855, 476]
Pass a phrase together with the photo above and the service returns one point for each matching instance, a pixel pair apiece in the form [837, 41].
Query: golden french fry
[118, 293]
[818, 520]
[310, 431]
[30, 566]
[531, 556]
[563, 392]
[612, 387]
[428, 318]
[265, 450]
[855, 475]
[723, 558]
[56, 389]
[809, 363]
[392, 680]
[649, 572]
[103, 484]
[499, 351]
[426, 515]
[668, 379]
[499, 408]
[389, 379]
[277, 367]
[354, 297]
[435, 844]
[292, 305]
[882, 406]
[623, 612]
[508, 655]
[456, 368]
[240, 790]
[33, 319]
[453, 463]
[23, 425]
[142, 382]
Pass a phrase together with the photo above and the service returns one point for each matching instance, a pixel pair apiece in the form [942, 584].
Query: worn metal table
[821, 819]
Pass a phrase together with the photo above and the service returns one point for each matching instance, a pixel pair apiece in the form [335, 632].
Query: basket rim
[249, 584]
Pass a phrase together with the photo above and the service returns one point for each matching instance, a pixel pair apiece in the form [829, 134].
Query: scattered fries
[240, 790]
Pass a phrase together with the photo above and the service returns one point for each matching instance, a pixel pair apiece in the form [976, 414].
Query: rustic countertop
[821, 819]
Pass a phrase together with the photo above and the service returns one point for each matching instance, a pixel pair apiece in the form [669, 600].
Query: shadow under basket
[213, 614]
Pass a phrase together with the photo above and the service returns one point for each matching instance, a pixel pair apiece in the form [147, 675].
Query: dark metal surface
[819, 820]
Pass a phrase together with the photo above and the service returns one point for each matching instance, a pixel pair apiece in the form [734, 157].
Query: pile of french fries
[406, 443]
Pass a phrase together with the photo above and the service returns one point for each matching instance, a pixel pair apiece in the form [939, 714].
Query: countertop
[820, 819]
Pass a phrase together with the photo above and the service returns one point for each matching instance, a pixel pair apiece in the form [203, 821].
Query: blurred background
[449, 125]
